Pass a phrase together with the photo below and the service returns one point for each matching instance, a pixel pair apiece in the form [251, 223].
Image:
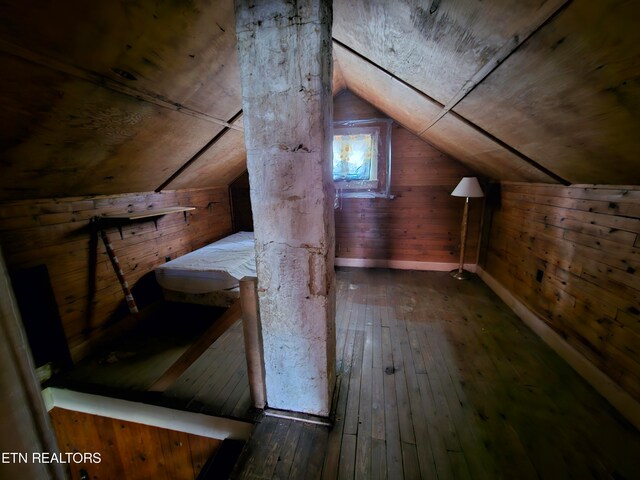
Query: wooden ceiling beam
[500, 56]
[106, 82]
[480, 130]
[200, 152]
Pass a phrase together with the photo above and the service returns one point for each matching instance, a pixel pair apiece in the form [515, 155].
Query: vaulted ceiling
[139, 95]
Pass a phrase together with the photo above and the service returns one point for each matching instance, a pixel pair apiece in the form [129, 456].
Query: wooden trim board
[161, 417]
[401, 264]
[611, 391]
[147, 213]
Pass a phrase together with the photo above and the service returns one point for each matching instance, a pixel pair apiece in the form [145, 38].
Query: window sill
[365, 195]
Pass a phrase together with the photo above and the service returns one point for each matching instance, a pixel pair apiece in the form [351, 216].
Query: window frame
[381, 187]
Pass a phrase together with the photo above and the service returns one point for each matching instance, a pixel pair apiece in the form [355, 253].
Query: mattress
[216, 267]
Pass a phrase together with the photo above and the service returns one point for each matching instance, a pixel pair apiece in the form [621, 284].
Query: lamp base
[460, 275]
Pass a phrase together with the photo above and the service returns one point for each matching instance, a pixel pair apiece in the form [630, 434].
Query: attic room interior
[238, 239]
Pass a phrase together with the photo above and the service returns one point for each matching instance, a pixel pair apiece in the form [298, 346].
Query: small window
[355, 157]
[362, 158]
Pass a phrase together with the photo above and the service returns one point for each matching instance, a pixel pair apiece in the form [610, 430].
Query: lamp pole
[468, 187]
[461, 274]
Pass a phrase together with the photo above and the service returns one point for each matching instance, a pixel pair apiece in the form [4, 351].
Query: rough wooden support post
[284, 50]
[253, 340]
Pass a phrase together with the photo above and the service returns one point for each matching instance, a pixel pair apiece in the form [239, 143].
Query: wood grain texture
[228, 156]
[436, 46]
[480, 152]
[568, 98]
[571, 255]
[437, 378]
[57, 233]
[104, 99]
[130, 450]
[423, 222]
[76, 138]
[147, 41]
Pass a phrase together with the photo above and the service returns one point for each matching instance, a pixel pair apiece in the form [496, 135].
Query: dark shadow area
[126, 368]
[41, 318]
[133, 361]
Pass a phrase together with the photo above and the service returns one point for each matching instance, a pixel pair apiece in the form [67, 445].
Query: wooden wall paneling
[90, 310]
[422, 222]
[349, 106]
[570, 254]
[339, 83]
[130, 450]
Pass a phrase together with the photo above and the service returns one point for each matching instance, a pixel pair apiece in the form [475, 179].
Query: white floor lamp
[469, 188]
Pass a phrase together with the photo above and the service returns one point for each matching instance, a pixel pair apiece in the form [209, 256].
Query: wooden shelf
[147, 213]
[119, 219]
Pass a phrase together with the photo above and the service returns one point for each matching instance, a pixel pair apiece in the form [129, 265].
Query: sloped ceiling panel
[414, 111]
[409, 107]
[570, 97]
[184, 52]
[480, 153]
[436, 46]
[115, 97]
[338, 79]
[112, 97]
[228, 155]
[441, 51]
[85, 139]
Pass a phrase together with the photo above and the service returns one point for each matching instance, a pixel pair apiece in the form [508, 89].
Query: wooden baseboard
[610, 390]
[401, 264]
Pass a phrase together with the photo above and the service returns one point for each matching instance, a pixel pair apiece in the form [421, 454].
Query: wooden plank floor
[437, 378]
[215, 384]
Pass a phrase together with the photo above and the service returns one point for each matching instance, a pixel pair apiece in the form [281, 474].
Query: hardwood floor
[217, 383]
[439, 379]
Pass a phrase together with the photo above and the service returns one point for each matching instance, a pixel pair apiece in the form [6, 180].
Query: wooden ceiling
[137, 95]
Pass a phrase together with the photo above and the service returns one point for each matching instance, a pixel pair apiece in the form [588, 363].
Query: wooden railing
[247, 308]
[252, 329]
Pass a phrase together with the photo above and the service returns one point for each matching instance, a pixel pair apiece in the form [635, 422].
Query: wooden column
[253, 346]
[285, 61]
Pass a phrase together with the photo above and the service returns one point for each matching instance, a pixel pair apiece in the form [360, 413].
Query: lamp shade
[468, 187]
